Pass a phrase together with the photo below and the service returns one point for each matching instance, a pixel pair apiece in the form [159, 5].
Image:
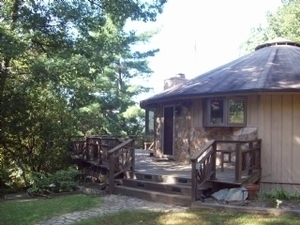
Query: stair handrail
[121, 161]
[203, 166]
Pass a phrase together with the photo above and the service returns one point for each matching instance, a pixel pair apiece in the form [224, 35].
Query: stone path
[112, 204]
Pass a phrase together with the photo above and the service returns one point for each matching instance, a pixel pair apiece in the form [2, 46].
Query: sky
[197, 36]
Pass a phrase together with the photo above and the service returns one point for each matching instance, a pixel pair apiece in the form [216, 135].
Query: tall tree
[65, 70]
[284, 22]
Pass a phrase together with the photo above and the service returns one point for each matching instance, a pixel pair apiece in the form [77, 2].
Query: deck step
[159, 186]
[155, 196]
[168, 179]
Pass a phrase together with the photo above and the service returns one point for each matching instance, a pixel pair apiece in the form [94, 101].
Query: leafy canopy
[66, 67]
[284, 22]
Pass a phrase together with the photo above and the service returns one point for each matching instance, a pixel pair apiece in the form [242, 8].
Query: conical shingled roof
[274, 66]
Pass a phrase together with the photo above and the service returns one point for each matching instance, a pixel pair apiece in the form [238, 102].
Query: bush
[279, 194]
[60, 181]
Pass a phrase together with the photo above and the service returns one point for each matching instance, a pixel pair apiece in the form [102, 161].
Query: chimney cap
[180, 75]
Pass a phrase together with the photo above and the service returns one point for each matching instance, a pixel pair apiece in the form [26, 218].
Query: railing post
[252, 160]
[194, 181]
[238, 163]
[258, 166]
[214, 155]
[87, 148]
[133, 158]
[111, 173]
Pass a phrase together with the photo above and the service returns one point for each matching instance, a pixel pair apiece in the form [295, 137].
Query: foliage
[189, 217]
[284, 22]
[61, 180]
[279, 194]
[31, 212]
[66, 69]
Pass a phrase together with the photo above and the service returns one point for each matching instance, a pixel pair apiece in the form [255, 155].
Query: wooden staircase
[159, 188]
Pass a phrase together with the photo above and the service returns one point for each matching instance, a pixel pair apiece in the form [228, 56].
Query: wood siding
[252, 110]
[277, 117]
[279, 128]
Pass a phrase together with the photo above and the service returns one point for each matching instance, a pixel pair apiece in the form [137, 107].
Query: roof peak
[277, 41]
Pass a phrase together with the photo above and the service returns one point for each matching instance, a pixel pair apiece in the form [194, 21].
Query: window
[225, 112]
[236, 111]
[149, 121]
[216, 112]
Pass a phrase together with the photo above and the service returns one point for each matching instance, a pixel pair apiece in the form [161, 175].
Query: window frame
[226, 108]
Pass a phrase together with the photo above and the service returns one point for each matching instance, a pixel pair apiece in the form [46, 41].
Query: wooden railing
[247, 154]
[121, 161]
[93, 149]
[203, 166]
[98, 147]
[77, 147]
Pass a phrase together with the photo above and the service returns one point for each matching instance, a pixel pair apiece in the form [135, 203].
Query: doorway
[168, 130]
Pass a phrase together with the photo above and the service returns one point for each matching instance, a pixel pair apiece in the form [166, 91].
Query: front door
[168, 130]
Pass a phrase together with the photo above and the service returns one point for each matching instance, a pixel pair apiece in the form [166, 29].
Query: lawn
[32, 211]
[188, 218]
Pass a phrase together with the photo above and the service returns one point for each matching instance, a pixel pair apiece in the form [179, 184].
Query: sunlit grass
[188, 218]
[30, 212]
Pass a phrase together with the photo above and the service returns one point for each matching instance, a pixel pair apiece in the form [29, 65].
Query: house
[256, 96]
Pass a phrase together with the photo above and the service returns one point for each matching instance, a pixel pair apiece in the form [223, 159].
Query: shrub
[279, 194]
[60, 181]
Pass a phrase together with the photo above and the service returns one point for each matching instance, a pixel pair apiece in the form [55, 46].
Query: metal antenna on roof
[195, 51]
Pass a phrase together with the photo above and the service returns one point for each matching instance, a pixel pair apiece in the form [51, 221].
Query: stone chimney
[174, 81]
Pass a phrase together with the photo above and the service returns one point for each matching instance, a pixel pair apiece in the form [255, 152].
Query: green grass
[188, 218]
[30, 212]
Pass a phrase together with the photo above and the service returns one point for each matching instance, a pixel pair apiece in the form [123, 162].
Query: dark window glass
[216, 111]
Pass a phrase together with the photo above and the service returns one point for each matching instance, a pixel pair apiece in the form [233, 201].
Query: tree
[284, 22]
[59, 76]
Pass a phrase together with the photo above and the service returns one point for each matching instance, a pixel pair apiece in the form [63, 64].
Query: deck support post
[238, 163]
[252, 162]
[133, 159]
[214, 156]
[194, 181]
[111, 173]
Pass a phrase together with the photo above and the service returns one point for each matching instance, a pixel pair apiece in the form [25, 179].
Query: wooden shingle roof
[274, 66]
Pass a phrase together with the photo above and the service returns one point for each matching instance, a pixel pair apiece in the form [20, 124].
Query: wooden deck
[144, 163]
[136, 172]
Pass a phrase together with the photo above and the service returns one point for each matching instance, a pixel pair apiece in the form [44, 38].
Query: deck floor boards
[144, 163]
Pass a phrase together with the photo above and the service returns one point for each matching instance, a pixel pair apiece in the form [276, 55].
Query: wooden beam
[238, 163]
[194, 182]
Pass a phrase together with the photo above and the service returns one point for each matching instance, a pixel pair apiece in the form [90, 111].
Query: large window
[225, 112]
[236, 111]
[149, 121]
